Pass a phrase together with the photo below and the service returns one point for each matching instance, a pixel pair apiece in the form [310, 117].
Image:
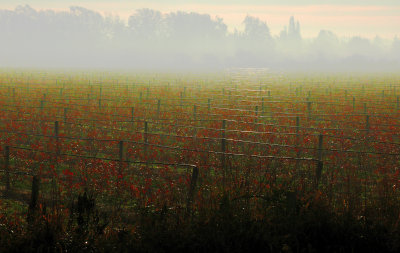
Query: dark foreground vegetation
[236, 162]
[288, 226]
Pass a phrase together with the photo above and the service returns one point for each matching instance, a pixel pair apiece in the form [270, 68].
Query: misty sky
[347, 18]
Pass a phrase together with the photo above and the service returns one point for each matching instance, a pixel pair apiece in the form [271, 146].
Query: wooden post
[223, 150]
[262, 106]
[398, 103]
[192, 187]
[194, 111]
[99, 103]
[298, 151]
[365, 108]
[320, 164]
[145, 138]
[256, 114]
[158, 108]
[181, 102]
[354, 103]
[367, 123]
[297, 131]
[7, 168]
[65, 121]
[56, 132]
[132, 114]
[309, 109]
[121, 157]
[34, 197]
[209, 105]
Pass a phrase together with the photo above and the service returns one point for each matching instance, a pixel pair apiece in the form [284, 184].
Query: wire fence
[221, 132]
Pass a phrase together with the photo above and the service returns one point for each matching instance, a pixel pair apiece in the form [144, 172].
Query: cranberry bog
[188, 146]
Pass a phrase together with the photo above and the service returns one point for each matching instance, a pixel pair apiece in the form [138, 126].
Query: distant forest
[149, 39]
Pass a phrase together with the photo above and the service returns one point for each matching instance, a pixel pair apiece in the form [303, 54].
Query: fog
[151, 40]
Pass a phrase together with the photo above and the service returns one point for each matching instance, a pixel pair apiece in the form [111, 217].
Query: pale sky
[346, 18]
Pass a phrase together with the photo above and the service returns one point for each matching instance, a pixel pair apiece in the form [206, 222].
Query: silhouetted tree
[147, 24]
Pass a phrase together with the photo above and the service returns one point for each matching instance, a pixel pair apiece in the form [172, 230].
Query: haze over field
[169, 37]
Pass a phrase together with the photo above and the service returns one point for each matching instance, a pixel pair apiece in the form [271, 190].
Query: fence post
[65, 115]
[7, 168]
[66, 127]
[181, 102]
[194, 111]
[354, 103]
[193, 183]
[209, 105]
[262, 106]
[158, 108]
[56, 131]
[297, 134]
[256, 114]
[41, 106]
[298, 152]
[121, 157]
[398, 103]
[145, 139]
[34, 197]
[320, 164]
[309, 109]
[223, 150]
[367, 123]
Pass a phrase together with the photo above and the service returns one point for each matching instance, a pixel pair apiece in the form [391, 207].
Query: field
[133, 157]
